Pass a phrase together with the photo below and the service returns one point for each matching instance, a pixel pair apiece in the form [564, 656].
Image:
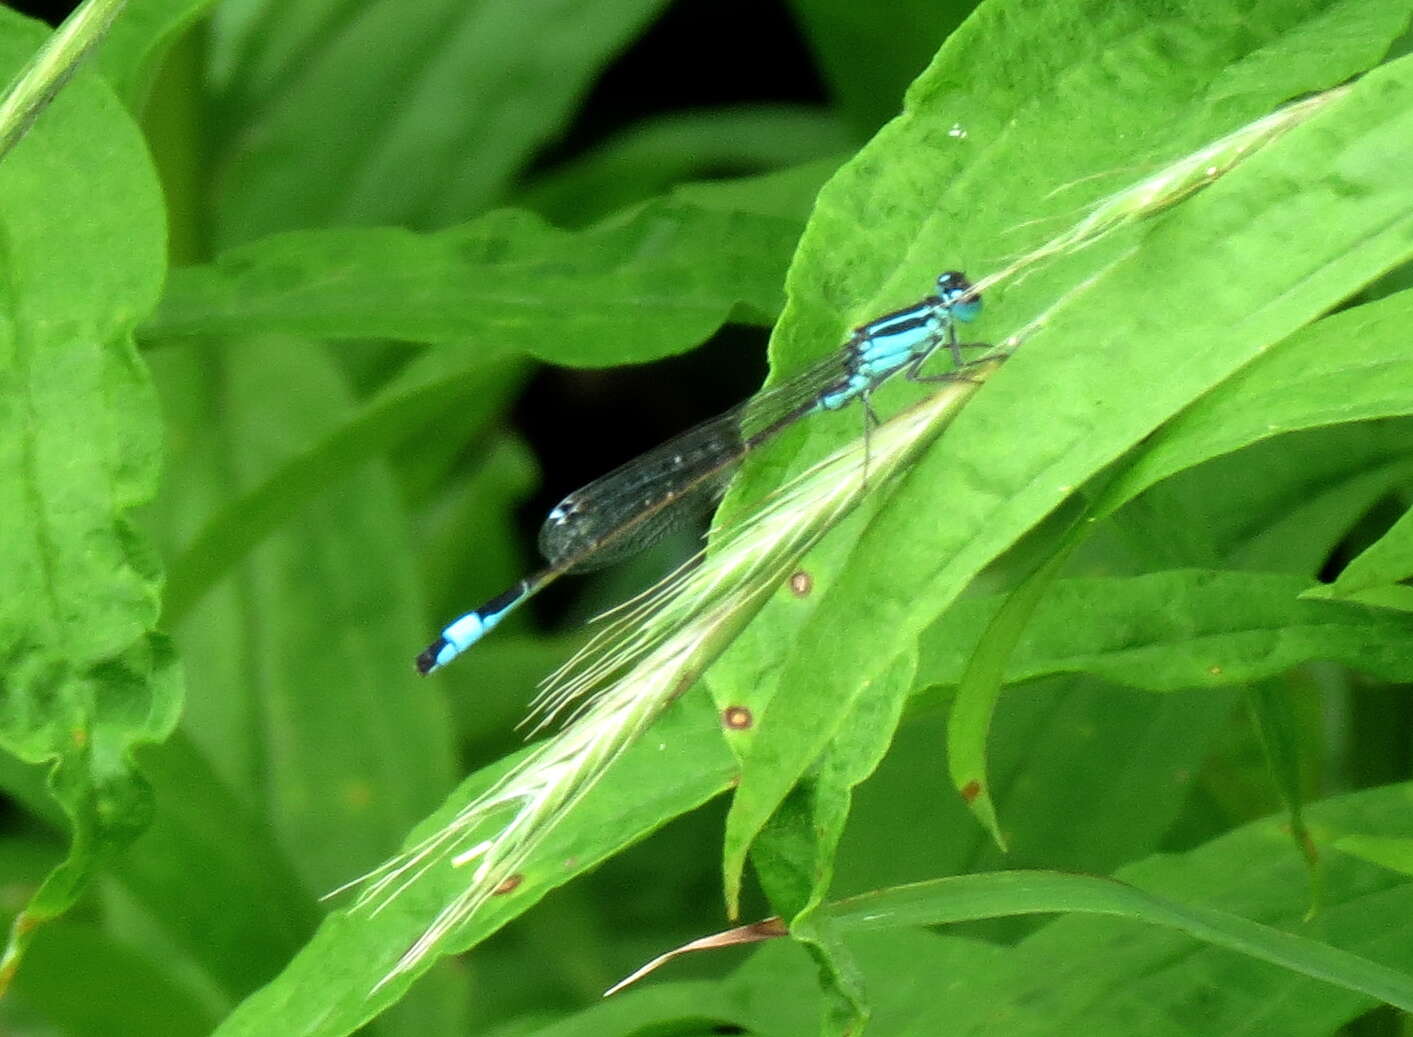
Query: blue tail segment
[466, 630]
[634, 505]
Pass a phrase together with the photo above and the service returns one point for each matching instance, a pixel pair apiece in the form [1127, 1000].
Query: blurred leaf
[1061, 809]
[980, 685]
[1388, 560]
[418, 115]
[443, 1003]
[491, 688]
[257, 45]
[303, 650]
[1395, 854]
[93, 984]
[1275, 716]
[85, 678]
[471, 545]
[217, 890]
[647, 159]
[777, 1001]
[1147, 352]
[1278, 505]
[637, 287]
[395, 414]
[786, 194]
[140, 39]
[306, 707]
[869, 55]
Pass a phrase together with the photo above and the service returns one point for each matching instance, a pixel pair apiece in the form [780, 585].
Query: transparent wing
[635, 505]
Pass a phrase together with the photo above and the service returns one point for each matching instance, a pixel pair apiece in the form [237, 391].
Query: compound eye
[953, 282]
[957, 293]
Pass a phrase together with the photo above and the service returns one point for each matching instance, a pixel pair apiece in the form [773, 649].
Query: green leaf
[461, 95]
[329, 987]
[647, 159]
[1385, 597]
[641, 286]
[1146, 351]
[1388, 560]
[1347, 367]
[1174, 630]
[980, 688]
[846, 1009]
[203, 900]
[84, 677]
[787, 194]
[1393, 853]
[1110, 976]
[795, 857]
[1297, 385]
[971, 897]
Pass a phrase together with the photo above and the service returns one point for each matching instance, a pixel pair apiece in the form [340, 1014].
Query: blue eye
[968, 309]
[952, 289]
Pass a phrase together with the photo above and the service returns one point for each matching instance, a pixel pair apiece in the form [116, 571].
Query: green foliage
[1187, 491]
[86, 676]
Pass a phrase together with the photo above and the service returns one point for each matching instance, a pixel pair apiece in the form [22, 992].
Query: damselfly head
[957, 293]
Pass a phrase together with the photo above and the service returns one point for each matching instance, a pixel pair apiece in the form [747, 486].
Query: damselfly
[635, 505]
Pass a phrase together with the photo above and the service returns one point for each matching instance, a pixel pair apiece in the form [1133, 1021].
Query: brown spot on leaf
[737, 718]
[971, 790]
[801, 583]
